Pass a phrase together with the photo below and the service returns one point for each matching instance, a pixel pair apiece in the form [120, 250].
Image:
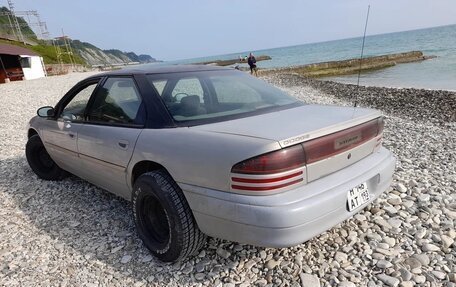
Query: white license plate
[357, 196]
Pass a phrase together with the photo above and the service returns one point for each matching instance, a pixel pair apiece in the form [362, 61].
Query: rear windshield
[197, 96]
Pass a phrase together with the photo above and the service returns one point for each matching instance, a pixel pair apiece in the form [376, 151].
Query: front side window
[74, 110]
[117, 102]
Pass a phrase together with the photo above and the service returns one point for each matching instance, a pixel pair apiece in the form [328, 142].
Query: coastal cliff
[95, 56]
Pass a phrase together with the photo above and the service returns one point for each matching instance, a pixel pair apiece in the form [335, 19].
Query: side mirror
[46, 112]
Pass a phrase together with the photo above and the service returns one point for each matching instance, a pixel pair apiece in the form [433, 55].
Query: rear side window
[117, 102]
[234, 91]
[188, 87]
[159, 85]
[215, 95]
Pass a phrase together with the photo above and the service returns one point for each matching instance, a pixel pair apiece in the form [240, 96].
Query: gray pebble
[388, 280]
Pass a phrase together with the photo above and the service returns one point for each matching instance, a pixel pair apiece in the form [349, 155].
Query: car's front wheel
[40, 161]
[163, 217]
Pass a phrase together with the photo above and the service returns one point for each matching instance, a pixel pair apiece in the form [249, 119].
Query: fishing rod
[362, 54]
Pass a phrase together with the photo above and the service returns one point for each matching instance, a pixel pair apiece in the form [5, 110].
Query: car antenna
[361, 58]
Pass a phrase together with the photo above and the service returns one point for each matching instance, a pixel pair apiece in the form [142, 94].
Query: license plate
[357, 196]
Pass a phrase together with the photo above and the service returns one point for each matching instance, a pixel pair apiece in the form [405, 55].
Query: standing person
[252, 63]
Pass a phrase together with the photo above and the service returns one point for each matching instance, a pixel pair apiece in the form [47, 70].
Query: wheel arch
[31, 132]
[142, 167]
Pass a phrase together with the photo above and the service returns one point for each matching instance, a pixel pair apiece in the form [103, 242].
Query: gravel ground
[72, 233]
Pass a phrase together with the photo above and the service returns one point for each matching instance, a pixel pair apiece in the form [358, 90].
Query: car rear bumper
[292, 217]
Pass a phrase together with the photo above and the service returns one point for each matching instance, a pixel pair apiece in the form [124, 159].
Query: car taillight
[330, 145]
[273, 162]
[271, 171]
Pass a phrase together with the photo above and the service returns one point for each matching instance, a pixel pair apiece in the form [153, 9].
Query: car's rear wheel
[163, 217]
[40, 161]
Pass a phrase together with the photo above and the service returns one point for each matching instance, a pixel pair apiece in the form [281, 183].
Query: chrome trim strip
[102, 162]
[322, 132]
[61, 149]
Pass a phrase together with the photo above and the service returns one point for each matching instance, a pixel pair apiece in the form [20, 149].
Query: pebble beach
[71, 233]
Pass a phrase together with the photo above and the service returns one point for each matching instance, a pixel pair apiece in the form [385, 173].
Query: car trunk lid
[331, 137]
[296, 125]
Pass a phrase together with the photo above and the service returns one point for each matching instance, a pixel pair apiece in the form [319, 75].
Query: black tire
[163, 218]
[40, 161]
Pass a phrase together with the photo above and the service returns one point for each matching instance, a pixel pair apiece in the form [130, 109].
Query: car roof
[162, 69]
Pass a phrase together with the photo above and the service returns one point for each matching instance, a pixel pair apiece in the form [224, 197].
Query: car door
[60, 135]
[115, 118]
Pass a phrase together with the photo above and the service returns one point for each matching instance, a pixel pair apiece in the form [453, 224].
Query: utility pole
[68, 49]
[19, 35]
[11, 24]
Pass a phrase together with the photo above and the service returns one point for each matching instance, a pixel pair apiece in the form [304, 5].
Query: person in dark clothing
[252, 63]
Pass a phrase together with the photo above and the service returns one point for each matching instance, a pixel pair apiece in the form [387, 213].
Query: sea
[438, 73]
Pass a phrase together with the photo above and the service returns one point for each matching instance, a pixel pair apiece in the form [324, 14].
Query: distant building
[17, 63]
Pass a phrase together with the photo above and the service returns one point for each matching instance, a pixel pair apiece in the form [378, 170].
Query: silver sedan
[212, 151]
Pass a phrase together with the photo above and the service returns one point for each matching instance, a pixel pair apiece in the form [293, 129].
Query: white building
[17, 63]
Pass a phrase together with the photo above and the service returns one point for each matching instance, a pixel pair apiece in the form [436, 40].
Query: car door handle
[123, 144]
[71, 135]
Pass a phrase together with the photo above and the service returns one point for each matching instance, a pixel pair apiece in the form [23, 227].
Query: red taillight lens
[273, 162]
[333, 144]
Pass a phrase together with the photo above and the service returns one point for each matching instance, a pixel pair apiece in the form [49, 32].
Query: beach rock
[405, 274]
[341, 257]
[390, 241]
[452, 277]
[424, 198]
[271, 264]
[395, 223]
[447, 241]
[223, 253]
[388, 280]
[261, 282]
[199, 276]
[308, 280]
[430, 248]
[413, 262]
[187, 269]
[383, 264]
[383, 223]
[125, 259]
[439, 275]
[401, 188]
[391, 210]
[419, 279]
[396, 200]
[249, 264]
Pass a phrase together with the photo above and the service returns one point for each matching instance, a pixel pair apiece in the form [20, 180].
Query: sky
[182, 29]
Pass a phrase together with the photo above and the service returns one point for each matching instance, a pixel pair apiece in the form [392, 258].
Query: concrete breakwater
[351, 66]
